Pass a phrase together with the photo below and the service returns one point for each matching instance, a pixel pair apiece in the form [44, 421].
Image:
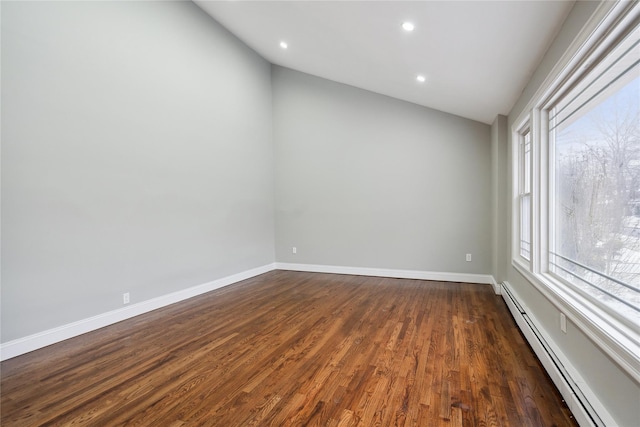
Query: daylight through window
[525, 195]
[594, 137]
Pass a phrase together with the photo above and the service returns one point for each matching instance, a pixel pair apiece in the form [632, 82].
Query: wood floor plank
[291, 348]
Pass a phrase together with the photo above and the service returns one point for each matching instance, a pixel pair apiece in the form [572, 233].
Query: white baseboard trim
[497, 287]
[384, 272]
[42, 339]
[583, 402]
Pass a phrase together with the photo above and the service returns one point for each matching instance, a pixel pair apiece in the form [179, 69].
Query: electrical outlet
[563, 323]
[125, 298]
[468, 257]
[294, 250]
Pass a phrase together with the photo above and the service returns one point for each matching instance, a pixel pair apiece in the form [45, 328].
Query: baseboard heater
[583, 412]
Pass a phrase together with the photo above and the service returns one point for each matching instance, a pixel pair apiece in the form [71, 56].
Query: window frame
[616, 336]
[548, 270]
[522, 189]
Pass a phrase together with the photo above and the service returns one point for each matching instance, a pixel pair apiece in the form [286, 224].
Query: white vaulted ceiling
[476, 56]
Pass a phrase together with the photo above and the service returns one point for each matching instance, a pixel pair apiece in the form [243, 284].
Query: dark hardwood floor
[288, 348]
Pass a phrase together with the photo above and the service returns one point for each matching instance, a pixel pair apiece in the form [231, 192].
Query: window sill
[617, 340]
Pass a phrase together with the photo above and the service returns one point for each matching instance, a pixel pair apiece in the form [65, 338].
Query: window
[524, 193]
[576, 219]
[594, 135]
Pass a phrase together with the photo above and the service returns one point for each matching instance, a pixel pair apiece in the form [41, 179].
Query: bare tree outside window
[597, 199]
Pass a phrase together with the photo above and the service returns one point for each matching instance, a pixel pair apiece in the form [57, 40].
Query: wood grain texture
[290, 348]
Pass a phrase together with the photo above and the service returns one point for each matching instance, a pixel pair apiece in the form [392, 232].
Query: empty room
[327, 213]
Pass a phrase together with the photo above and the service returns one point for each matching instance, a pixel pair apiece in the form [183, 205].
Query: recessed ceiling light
[284, 45]
[421, 78]
[408, 26]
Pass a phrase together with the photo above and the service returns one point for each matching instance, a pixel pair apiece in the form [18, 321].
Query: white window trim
[518, 179]
[617, 339]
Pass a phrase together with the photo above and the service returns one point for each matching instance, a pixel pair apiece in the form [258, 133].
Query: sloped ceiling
[476, 56]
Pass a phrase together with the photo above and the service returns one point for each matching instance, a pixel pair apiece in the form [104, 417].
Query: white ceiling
[477, 56]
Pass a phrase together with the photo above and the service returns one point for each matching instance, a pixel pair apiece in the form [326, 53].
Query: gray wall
[136, 157]
[363, 180]
[614, 388]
